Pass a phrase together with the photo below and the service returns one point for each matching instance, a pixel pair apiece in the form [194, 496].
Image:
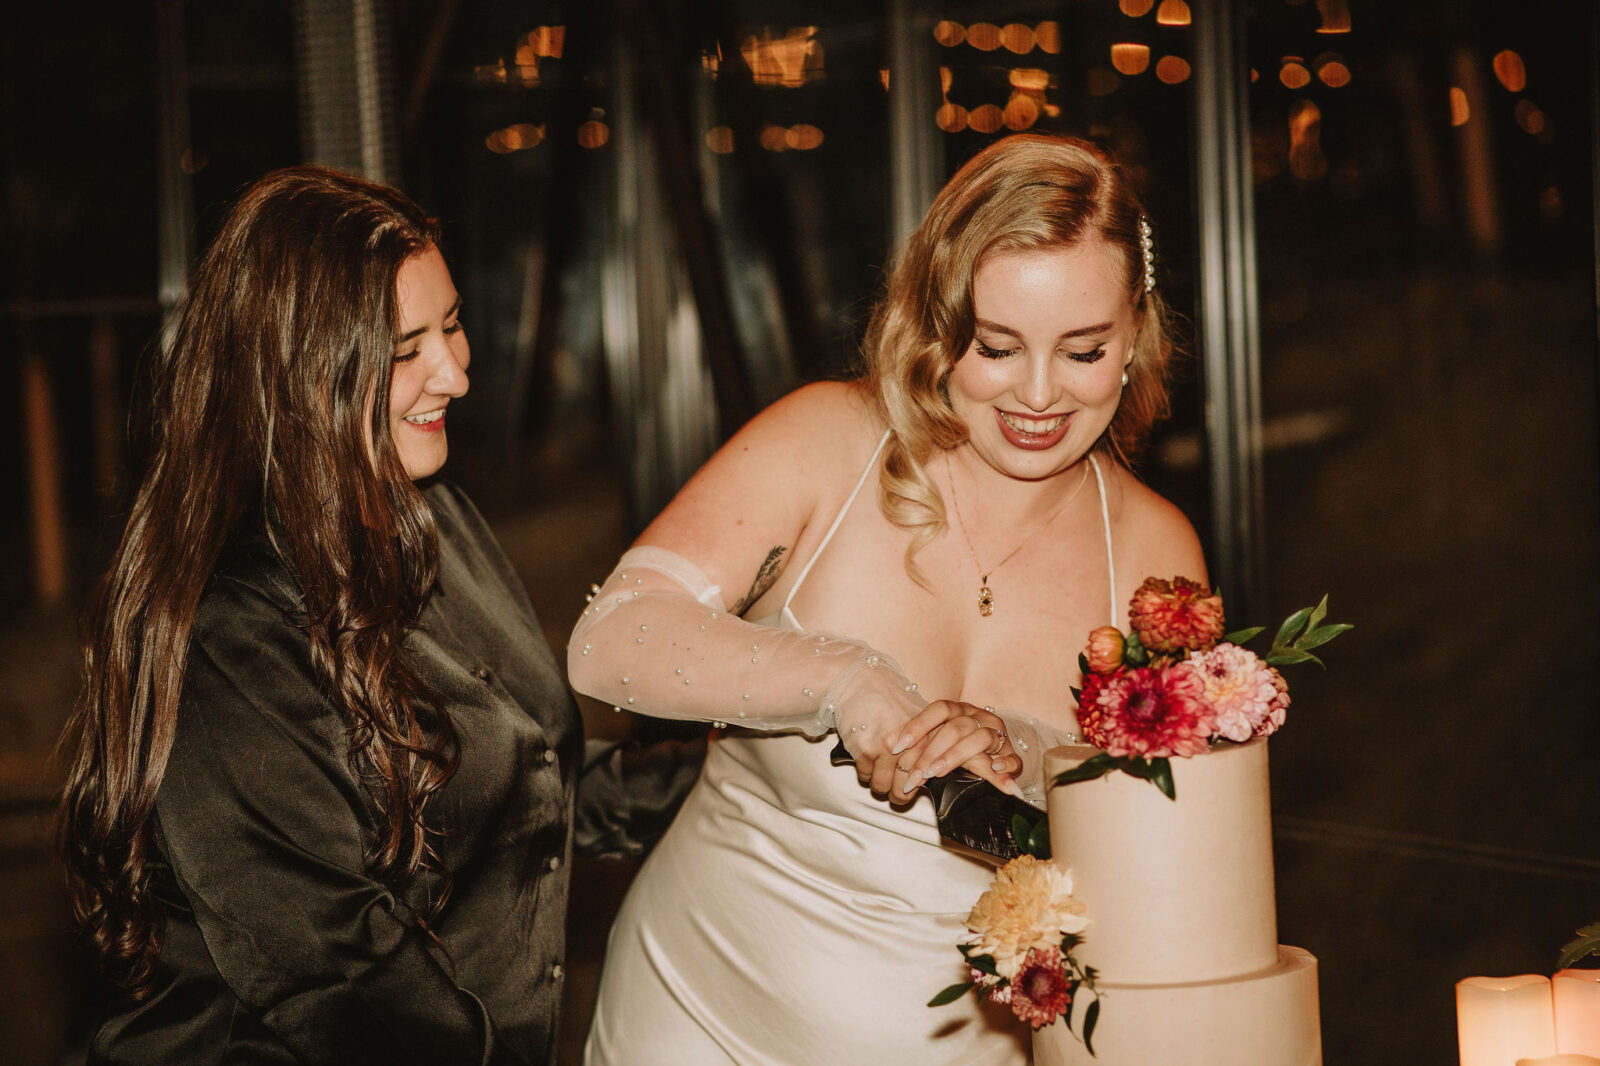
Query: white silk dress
[790, 918]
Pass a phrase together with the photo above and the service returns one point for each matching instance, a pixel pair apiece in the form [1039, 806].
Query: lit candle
[1502, 1019]
[1577, 1005]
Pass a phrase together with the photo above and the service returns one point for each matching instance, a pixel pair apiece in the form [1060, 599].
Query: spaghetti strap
[788, 614]
[1105, 520]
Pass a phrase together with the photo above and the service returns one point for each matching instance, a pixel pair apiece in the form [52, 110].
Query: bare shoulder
[1153, 536]
[747, 507]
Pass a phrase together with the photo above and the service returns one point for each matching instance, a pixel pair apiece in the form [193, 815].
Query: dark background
[1428, 378]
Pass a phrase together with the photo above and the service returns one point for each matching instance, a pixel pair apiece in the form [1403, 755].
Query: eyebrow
[420, 330]
[1085, 331]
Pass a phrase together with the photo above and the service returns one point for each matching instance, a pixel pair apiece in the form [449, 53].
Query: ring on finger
[999, 741]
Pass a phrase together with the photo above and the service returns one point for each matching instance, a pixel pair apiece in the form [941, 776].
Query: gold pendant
[985, 601]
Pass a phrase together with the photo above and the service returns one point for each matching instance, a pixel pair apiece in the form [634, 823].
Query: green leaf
[1244, 636]
[1161, 777]
[1088, 770]
[951, 994]
[1020, 829]
[1083, 665]
[1318, 613]
[1587, 943]
[983, 964]
[1316, 638]
[1133, 650]
[1039, 840]
[1291, 626]
[1090, 1017]
[1290, 656]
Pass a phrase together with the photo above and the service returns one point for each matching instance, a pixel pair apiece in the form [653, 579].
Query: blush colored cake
[1183, 924]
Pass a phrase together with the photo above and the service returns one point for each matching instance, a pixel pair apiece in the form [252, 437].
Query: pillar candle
[1502, 1019]
[1576, 994]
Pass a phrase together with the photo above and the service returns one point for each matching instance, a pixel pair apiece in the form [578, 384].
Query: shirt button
[556, 972]
[550, 755]
[481, 673]
[553, 863]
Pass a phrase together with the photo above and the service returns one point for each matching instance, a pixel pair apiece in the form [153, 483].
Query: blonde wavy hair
[1023, 193]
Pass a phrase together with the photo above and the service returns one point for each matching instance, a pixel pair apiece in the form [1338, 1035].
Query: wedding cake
[1182, 921]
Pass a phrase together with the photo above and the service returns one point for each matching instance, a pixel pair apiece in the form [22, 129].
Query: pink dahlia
[1104, 651]
[1177, 615]
[1040, 993]
[1249, 697]
[1153, 712]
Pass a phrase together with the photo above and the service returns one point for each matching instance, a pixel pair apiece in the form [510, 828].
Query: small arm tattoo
[765, 577]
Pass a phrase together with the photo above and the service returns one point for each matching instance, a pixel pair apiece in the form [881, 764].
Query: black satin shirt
[279, 947]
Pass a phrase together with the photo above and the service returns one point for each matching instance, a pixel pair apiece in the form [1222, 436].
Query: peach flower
[1029, 906]
[1174, 616]
[1104, 652]
[1249, 697]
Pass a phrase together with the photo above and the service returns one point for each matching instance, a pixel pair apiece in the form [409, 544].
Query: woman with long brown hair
[320, 802]
[793, 915]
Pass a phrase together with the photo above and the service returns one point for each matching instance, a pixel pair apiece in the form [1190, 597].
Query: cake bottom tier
[1269, 1018]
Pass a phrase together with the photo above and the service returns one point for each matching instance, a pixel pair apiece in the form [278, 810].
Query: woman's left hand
[946, 735]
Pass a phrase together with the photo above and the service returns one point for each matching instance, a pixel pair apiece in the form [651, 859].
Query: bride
[911, 562]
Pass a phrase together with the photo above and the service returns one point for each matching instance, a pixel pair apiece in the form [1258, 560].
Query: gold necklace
[985, 593]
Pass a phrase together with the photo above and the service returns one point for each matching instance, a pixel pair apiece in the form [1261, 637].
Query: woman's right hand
[947, 735]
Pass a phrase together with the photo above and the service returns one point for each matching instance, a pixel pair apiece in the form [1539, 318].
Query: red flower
[1177, 615]
[1040, 993]
[1154, 712]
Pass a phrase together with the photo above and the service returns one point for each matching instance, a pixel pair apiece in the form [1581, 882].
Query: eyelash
[406, 357]
[1000, 353]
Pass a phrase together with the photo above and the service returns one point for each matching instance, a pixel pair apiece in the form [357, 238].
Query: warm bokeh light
[1530, 117]
[593, 134]
[1306, 160]
[952, 118]
[1017, 38]
[1101, 81]
[527, 66]
[946, 77]
[523, 135]
[1021, 112]
[775, 138]
[1332, 71]
[883, 76]
[711, 60]
[949, 33]
[984, 36]
[1134, 8]
[496, 142]
[789, 61]
[1129, 58]
[986, 119]
[1048, 35]
[803, 138]
[1172, 70]
[491, 72]
[547, 41]
[1030, 78]
[1335, 16]
[1459, 111]
[1293, 73]
[719, 139]
[1173, 13]
[1509, 69]
[1551, 205]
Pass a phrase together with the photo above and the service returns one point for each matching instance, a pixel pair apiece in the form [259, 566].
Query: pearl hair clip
[1147, 246]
